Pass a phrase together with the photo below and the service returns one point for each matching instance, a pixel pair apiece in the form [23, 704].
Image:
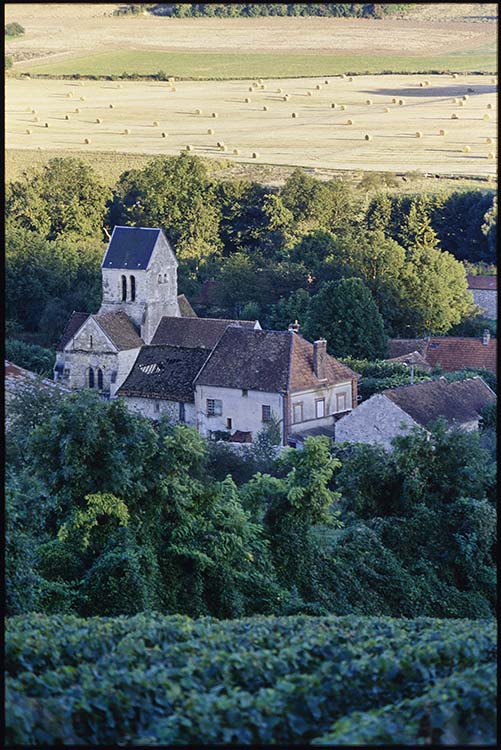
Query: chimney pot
[319, 352]
[294, 326]
[486, 337]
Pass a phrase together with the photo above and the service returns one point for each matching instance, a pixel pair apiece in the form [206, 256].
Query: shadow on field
[426, 91]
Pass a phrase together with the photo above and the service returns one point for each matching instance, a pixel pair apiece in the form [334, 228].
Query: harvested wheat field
[159, 118]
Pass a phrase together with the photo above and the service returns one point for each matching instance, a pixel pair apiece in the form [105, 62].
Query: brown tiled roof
[413, 358]
[165, 372]
[450, 352]
[120, 329]
[457, 353]
[194, 332]
[74, 323]
[19, 379]
[488, 283]
[185, 308]
[458, 402]
[302, 375]
[271, 361]
[399, 347]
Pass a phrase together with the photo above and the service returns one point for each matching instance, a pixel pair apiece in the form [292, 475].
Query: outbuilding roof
[164, 372]
[486, 283]
[194, 332]
[131, 247]
[459, 402]
[450, 352]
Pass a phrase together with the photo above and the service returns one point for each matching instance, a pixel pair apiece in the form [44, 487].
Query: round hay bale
[419, 134]
[87, 140]
[69, 95]
[224, 148]
[250, 88]
[491, 155]
[171, 79]
[198, 111]
[454, 75]
[98, 120]
[189, 147]
[489, 106]
[461, 103]
[164, 135]
[465, 97]
[34, 112]
[119, 86]
[155, 123]
[494, 80]
[386, 109]
[127, 131]
[308, 93]
[46, 125]
[247, 100]
[442, 132]
[426, 83]
[286, 98]
[333, 105]
[342, 107]
[294, 114]
[455, 100]
[265, 108]
[260, 80]
[214, 114]
[255, 154]
[280, 91]
[394, 101]
[262, 86]
[421, 84]
[487, 117]
[466, 149]
[349, 122]
[28, 131]
[82, 98]
[350, 79]
[368, 101]
[488, 140]
[35, 119]
[220, 144]
[454, 116]
[254, 83]
[318, 87]
[368, 137]
[401, 102]
[77, 111]
[66, 117]
[326, 82]
[236, 152]
[343, 75]
[210, 131]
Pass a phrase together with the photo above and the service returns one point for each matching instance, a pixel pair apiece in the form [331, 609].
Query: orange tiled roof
[487, 283]
[456, 353]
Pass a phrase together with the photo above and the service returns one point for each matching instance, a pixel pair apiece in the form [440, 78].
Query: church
[227, 378]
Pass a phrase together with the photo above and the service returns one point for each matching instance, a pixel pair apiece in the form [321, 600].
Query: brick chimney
[319, 352]
[486, 337]
[294, 327]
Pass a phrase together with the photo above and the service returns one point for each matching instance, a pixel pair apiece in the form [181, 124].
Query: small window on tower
[124, 288]
[159, 278]
[133, 288]
[90, 341]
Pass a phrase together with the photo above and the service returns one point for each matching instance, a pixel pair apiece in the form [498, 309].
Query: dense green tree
[176, 194]
[64, 198]
[458, 219]
[489, 227]
[344, 313]
[317, 205]
[288, 310]
[30, 356]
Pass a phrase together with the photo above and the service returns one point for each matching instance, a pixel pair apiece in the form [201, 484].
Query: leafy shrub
[30, 356]
[164, 681]
[14, 29]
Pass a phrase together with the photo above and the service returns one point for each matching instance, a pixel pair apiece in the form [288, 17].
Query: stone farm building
[146, 345]
[395, 411]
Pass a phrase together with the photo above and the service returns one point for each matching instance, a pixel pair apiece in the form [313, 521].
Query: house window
[214, 407]
[66, 373]
[182, 412]
[91, 377]
[156, 407]
[297, 412]
[266, 413]
[245, 392]
[124, 288]
[341, 402]
[319, 408]
[133, 288]
[100, 379]
[228, 423]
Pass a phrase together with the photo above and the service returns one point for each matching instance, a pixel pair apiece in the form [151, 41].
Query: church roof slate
[131, 248]
[194, 332]
[165, 372]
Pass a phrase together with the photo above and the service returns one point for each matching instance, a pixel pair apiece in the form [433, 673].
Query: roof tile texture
[450, 352]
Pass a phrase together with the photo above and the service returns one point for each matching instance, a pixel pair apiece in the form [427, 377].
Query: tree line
[250, 10]
[320, 252]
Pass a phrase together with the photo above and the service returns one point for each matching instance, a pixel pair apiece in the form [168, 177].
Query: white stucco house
[394, 412]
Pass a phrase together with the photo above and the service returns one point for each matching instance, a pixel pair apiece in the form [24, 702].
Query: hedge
[161, 680]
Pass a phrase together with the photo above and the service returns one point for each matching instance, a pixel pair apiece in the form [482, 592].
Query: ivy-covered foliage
[166, 681]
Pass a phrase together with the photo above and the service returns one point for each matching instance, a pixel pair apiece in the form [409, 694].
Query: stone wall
[376, 421]
[155, 408]
[486, 299]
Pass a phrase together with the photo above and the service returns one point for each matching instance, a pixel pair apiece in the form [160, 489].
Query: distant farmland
[284, 122]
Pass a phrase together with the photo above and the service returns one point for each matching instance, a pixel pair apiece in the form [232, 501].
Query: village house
[485, 294]
[224, 377]
[393, 412]
[19, 381]
[450, 353]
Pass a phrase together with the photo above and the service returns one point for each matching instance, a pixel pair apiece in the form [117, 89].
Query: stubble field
[378, 123]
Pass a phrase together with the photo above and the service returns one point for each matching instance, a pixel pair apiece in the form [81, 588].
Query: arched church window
[133, 288]
[159, 278]
[165, 278]
[91, 377]
[100, 379]
[124, 288]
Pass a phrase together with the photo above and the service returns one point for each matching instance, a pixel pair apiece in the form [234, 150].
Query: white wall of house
[155, 408]
[244, 411]
[307, 409]
[376, 421]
